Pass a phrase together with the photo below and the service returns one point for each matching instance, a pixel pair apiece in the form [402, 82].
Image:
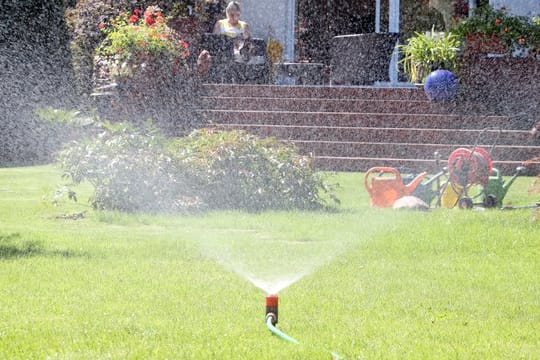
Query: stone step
[321, 92]
[417, 165]
[385, 135]
[332, 105]
[409, 151]
[356, 128]
[350, 119]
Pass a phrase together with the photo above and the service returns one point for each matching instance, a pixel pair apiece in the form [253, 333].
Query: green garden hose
[278, 332]
[282, 335]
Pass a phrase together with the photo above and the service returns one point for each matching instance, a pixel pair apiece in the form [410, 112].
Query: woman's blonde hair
[232, 6]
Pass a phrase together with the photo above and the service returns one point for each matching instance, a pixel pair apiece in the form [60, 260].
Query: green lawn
[366, 283]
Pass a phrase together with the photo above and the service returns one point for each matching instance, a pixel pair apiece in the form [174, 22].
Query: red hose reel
[469, 166]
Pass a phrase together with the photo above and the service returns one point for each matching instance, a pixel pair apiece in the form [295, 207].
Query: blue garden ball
[441, 85]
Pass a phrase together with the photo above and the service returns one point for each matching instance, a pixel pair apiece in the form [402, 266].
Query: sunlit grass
[377, 283]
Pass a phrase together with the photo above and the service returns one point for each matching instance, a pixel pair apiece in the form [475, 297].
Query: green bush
[137, 170]
[130, 170]
[237, 170]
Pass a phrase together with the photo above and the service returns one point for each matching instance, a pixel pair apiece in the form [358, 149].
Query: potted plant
[141, 44]
[496, 31]
[426, 52]
[147, 60]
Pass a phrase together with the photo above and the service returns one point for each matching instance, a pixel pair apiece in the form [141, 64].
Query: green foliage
[239, 170]
[129, 169]
[84, 20]
[143, 38]
[139, 170]
[426, 52]
[511, 29]
[64, 117]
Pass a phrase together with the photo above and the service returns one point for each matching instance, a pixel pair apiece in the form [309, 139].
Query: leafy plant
[129, 169]
[143, 40]
[239, 170]
[84, 20]
[511, 29]
[426, 52]
[140, 170]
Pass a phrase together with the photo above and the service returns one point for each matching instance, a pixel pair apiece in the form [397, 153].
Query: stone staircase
[355, 128]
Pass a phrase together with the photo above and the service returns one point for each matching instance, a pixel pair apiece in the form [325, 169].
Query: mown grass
[376, 283]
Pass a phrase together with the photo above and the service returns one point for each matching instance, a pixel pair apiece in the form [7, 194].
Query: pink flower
[137, 12]
[101, 25]
[498, 21]
[133, 19]
[149, 20]
[521, 40]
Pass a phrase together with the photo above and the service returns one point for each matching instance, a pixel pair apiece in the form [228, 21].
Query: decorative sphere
[441, 85]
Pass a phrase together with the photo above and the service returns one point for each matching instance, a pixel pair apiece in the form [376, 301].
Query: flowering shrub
[512, 30]
[143, 39]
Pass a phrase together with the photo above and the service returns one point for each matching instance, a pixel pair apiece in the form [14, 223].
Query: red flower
[149, 20]
[521, 40]
[183, 43]
[137, 12]
[101, 25]
[498, 21]
[133, 19]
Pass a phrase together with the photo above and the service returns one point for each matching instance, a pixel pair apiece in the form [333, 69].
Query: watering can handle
[380, 169]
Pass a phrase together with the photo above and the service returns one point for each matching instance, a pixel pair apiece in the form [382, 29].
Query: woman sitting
[237, 29]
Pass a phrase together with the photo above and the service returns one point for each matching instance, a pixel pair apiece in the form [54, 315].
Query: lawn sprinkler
[385, 185]
[271, 318]
[272, 301]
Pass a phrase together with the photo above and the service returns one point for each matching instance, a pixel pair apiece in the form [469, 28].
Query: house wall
[274, 17]
[519, 7]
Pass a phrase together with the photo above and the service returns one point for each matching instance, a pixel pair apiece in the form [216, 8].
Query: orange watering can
[385, 185]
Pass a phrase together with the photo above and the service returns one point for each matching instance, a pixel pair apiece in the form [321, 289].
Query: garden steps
[403, 135]
[312, 92]
[355, 128]
[383, 106]
[397, 150]
[351, 119]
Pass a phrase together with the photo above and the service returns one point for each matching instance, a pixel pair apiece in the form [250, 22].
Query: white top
[226, 28]
[239, 32]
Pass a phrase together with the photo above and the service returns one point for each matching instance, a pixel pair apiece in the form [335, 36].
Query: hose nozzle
[272, 301]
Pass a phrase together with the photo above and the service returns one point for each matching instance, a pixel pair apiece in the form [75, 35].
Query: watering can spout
[410, 187]
[507, 184]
